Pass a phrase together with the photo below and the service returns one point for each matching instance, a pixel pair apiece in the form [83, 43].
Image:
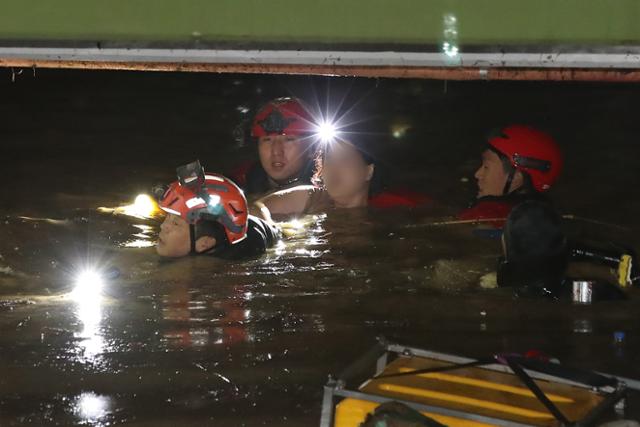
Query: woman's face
[344, 172]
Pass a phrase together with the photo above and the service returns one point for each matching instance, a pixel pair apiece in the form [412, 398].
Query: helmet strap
[507, 185]
[192, 238]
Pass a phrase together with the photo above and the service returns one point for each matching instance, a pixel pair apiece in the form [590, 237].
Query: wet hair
[375, 184]
[212, 229]
[536, 250]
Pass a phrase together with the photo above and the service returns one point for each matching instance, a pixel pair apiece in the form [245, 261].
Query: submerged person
[346, 178]
[537, 256]
[208, 214]
[520, 163]
[284, 132]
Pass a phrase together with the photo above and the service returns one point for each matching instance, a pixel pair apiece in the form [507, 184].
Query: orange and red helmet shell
[218, 199]
[283, 116]
[532, 151]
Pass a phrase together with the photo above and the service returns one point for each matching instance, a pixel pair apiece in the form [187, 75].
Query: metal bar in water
[396, 348]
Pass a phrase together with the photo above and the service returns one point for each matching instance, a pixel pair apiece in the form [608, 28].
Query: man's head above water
[518, 159]
[204, 212]
[284, 131]
[493, 173]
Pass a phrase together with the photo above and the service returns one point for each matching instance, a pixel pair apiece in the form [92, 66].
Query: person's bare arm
[285, 202]
[258, 209]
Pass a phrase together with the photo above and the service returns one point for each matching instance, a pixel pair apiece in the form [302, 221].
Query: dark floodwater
[204, 342]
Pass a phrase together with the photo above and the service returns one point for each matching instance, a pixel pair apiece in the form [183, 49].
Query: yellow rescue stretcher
[503, 390]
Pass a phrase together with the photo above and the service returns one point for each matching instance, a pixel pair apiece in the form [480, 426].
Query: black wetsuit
[538, 260]
[260, 236]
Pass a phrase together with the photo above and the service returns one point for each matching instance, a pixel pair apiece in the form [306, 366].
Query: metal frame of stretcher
[380, 354]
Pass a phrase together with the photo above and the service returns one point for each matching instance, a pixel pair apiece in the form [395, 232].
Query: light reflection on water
[278, 324]
[92, 408]
[143, 239]
[88, 299]
[196, 320]
[144, 207]
[92, 342]
[222, 311]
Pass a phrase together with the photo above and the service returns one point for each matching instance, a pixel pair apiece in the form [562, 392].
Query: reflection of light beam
[297, 224]
[91, 406]
[142, 239]
[450, 50]
[280, 248]
[139, 243]
[292, 228]
[87, 293]
[450, 34]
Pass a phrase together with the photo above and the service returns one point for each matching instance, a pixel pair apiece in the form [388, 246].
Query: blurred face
[174, 240]
[491, 175]
[344, 172]
[282, 156]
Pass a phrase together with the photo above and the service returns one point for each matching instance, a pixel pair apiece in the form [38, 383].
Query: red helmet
[282, 116]
[532, 151]
[209, 196]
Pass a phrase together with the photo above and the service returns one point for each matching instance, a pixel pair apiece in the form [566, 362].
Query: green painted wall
[608, 22]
